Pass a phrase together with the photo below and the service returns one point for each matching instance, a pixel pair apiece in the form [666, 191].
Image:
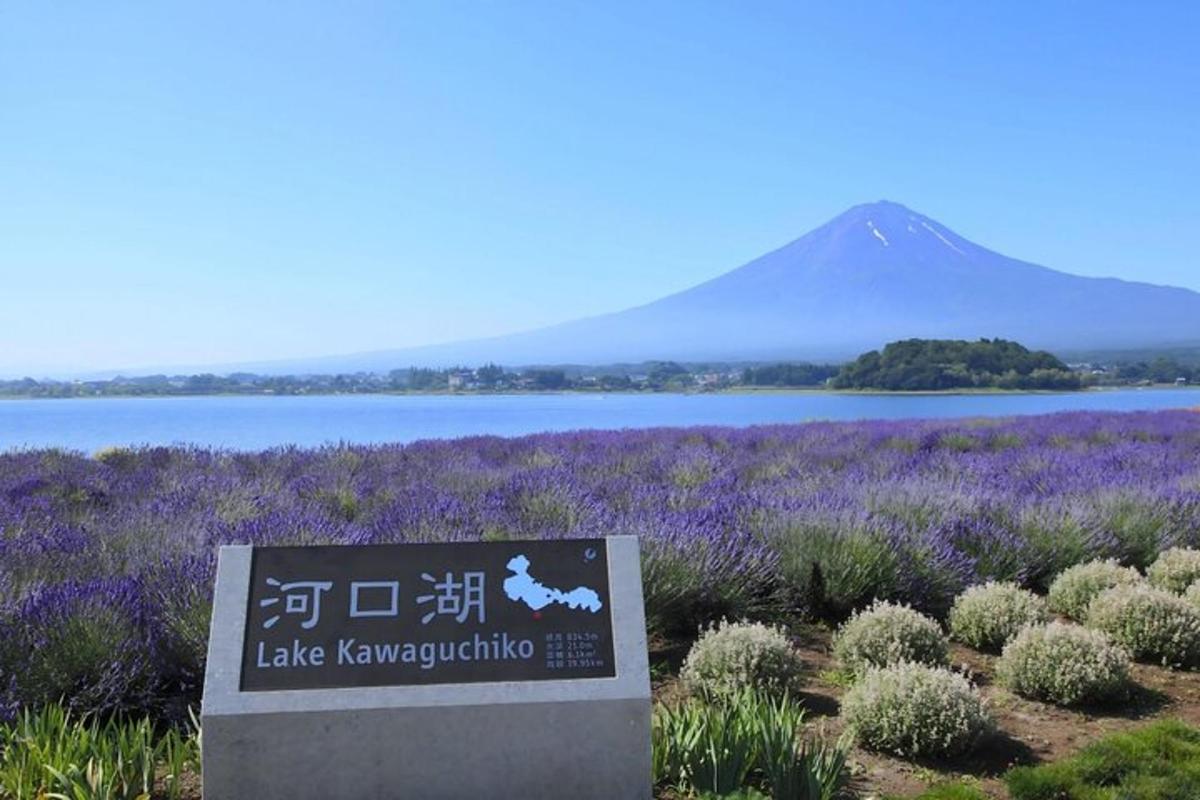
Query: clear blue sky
[239, 181]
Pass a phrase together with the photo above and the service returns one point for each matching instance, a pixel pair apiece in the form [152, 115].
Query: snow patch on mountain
[945, 241]
[878, 234]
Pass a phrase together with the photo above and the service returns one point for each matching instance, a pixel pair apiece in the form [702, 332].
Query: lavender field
[106, 562]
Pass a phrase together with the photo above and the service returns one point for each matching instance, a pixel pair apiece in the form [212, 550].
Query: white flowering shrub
[1076, 587]
[916, 710]
[732, 656]
[1192, 595]
[1064, 664]
[987, 616]
[1150, 623]
[1175, 570]
[886, 633]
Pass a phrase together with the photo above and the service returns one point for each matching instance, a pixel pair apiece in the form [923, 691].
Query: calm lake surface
[260, 422]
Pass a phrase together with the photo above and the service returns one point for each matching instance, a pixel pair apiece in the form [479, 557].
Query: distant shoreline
[737, 390]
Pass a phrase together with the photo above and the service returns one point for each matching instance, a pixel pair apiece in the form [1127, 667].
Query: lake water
[259, 422]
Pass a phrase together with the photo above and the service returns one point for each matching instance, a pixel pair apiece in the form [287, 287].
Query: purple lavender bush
[106, 562]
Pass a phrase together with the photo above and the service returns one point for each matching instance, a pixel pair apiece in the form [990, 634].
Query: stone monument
[441, 670]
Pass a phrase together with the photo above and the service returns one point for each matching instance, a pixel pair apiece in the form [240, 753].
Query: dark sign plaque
[394, 615]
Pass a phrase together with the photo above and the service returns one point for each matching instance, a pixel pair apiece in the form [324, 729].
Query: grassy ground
[1160, 761]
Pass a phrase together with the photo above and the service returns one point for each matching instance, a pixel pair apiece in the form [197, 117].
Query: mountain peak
[884, 206]
[875, 235]
[875, 273]
[883, 209]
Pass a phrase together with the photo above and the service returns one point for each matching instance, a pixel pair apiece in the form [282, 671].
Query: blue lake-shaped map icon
[522, 587]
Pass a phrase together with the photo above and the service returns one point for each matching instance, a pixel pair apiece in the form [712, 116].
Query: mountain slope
[876, 273]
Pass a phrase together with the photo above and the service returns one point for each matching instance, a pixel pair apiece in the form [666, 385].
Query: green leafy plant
[749, 740]
[1064, 664]
[795, 769]
[988, 616]
[49, 753]
[701, 747]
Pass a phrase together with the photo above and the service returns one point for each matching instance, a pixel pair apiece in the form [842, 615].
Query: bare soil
[1029, 732]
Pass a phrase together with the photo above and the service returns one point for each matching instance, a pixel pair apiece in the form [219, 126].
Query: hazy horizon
[222, 185]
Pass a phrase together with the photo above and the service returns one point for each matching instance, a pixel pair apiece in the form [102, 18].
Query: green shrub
[735, 655]
[749, 740]
[117, 457]
[1053, 543]
[988, 616]
[952, 791]
[1064, 664]
[1175, 570]
[1076, 587]
[1136, 524]
[1158, 762]
[916, 710]
[184, 612]
[685, 588]
[1150, 623]
[886, 633]
[832, 572]
[83, 645]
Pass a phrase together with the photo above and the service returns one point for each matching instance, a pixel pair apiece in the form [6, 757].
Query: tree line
[907, 365]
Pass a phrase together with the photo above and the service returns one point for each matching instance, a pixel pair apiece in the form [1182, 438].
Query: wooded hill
[930, 364]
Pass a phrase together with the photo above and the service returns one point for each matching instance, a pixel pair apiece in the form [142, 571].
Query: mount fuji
[876, 273]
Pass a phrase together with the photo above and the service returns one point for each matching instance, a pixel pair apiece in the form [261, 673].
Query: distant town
[659, 376]
[910, 365]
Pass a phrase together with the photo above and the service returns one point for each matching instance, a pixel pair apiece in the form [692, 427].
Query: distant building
[1181, 381]
[455, 380]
